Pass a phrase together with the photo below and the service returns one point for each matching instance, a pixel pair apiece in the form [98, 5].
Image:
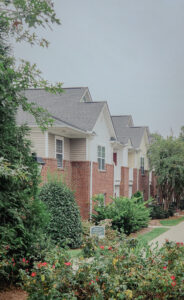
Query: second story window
[59, 152]
[101, 158]
[142, 165]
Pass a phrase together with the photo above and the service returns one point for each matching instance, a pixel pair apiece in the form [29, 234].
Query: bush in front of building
[127, 215]
[65, 226]
[120, 272]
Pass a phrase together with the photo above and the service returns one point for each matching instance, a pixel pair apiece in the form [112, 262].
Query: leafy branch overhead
[22, 15]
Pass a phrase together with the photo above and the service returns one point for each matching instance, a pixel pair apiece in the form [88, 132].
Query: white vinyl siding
[101, 158]
[37, 142]
[78, 149]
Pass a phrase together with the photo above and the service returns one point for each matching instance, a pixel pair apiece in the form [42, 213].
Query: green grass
[172, 222]
[149, 236]
[75, 253]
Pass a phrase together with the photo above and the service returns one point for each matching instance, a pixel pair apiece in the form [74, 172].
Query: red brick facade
[81, 186]
[124, 185]
[50, 167]
[77, 176]
[103, 181]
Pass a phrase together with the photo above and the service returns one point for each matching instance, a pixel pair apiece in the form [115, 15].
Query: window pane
[103, 164]
[99, 151]
[59, 158]
[59, 146]
[99, 164]
[103, 152]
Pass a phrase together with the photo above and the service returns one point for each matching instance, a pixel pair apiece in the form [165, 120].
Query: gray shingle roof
[123, 120]
[123, 133]
[65, 107]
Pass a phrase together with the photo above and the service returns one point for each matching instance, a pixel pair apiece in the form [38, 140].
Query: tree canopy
[167, 160]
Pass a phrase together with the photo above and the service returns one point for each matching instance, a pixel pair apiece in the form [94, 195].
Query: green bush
[23, 218]
[65, 224]
[157, 211]
[127, 215]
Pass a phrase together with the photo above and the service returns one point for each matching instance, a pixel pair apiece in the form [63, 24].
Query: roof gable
[66, 107]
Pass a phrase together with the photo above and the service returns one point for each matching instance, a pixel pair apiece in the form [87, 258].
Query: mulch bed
[13, 294]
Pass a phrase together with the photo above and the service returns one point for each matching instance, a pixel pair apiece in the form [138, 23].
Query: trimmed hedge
[65, 224]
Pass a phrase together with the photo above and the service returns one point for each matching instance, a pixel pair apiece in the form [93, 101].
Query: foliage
[21, 15]
[22, 215]
[127, 215]
[167, 159]
[65, 224]
[113, 273]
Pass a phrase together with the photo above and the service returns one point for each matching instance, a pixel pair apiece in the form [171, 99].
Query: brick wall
[81, 186]
[134, 187]
[144, 184]
[153, 187]
[124, 186]
[103, 181]
[50, 167]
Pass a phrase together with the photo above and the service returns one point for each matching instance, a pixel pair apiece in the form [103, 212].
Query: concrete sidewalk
[175, 234]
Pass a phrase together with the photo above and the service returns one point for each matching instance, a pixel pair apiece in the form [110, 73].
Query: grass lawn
[149, 236]
[75, 252]
[171, 222]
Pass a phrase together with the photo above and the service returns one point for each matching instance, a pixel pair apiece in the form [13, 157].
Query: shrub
[128, 215]
[23, 218]
[113, 273]
[157, 211]
[65, 223]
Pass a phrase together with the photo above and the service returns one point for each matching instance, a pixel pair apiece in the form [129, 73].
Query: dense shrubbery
[157, 211]
[65, 223]
[22, 216]
[121, 272]
[127, 215]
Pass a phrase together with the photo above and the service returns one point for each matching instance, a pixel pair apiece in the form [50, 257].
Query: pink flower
[173, 283]
[173, 277]
[68, 263]
[165, 268]
[27, 261]
[53, 266]
[92, 281]
[110, 248]
[44, 264]
[13, 260]
[23, 260]
[102, 247]
[33, 274]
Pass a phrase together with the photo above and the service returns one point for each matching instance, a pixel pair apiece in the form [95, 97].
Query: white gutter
[91, 190]
[46, 144]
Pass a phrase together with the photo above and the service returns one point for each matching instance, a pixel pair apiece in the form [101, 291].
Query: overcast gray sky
[128, 52]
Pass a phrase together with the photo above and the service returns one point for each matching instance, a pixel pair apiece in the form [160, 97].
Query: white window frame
[100, 158]
[60, 153]
[142, 165]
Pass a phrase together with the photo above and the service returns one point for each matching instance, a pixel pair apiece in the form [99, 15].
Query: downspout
[91, 191]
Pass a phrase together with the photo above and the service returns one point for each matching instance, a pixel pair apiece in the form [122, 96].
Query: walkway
[175, 234]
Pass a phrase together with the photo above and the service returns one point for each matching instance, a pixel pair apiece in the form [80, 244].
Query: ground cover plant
[121, 272]
[127, 215]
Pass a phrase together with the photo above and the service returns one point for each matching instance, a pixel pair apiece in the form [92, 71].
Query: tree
[167, 160]
[22, 215]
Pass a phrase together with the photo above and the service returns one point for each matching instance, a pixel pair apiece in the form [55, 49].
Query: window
[101, 158]
[142, 165]
[59, 152]
[115, 158]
